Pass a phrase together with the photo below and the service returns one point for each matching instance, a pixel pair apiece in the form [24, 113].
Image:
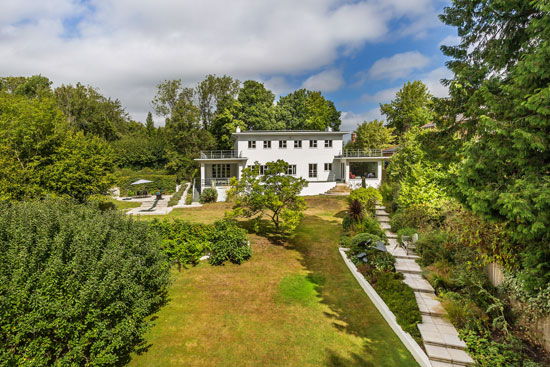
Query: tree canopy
[373, 135]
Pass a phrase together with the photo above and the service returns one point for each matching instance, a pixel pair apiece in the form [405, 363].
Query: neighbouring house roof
[429, 125]
[392, 149]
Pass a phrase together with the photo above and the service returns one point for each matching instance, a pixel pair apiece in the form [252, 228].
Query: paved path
[441, 341]
[152, 206]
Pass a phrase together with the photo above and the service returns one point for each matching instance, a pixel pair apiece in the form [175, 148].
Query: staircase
[341, 189]
[441, 342]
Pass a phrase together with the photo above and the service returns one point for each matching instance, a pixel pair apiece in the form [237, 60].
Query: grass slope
[292, 304]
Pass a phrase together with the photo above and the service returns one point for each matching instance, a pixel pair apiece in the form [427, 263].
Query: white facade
[317, 156]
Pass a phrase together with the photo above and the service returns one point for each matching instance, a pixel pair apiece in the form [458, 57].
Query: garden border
[413, 347]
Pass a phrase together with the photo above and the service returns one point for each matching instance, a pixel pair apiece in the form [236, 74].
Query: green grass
[294, 303]
[121, 205]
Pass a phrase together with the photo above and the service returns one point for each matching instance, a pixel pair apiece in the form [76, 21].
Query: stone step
[383, 219]
[418, 283]
[391, 235]
[382, 207]
[448, 355]
[385, 226]
[444, 364]
[404, 265]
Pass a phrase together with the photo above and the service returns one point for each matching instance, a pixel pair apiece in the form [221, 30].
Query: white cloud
[350, 120]
[126, 47]
[382, 96]
[398, 66]
[450, 41]
[433, 81]
[326, 81]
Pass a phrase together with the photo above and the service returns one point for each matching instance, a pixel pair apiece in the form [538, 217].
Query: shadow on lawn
[317, 239]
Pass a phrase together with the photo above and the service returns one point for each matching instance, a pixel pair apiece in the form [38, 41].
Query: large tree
[499, 107]
[411, 107]
[307, 110]
[273, 193]
[210, 92]
[257, 109]
[373, 135]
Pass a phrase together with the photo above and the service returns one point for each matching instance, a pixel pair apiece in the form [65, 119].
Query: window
[291, 170]
[282, 144]
[221, 170]
[328, 143]
[251, 144]
[267, 144]
[297, 143]
[313, 170]
[263, 169]
[313, 143]
[328, 166]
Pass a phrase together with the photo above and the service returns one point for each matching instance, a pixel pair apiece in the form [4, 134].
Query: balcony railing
[360, 153]
[220, 154]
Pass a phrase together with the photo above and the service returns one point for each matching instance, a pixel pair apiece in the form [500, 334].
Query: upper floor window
[313, 170]
[328, 166]
[297, 143]
[282, 144]
[291, 170]
[328, 143]
[313, 143]
[251, 144]
[267, 144]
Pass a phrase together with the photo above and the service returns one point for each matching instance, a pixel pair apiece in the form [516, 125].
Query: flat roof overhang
[221, 160]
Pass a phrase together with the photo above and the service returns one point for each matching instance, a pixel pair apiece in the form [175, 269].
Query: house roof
[290, 132]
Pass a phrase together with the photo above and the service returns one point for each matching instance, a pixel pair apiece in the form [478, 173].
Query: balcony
[220, 154]
[368, 153]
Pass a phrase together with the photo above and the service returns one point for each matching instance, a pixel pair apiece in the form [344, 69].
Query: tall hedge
[76, 284]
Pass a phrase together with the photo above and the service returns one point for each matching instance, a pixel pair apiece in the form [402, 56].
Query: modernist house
[317, 156]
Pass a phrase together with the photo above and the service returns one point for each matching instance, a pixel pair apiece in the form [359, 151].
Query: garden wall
[317, 188]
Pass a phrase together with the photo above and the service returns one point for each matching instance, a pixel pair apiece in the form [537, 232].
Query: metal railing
[220, 154]
[216, 182]
[355, 153]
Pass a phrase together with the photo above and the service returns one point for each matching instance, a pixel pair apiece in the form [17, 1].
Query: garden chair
[409, 244]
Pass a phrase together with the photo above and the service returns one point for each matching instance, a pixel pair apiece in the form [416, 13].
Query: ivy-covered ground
[294, 303]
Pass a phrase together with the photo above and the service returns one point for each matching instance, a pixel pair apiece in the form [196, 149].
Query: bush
[189, 198]
[76, 284]
[229, 243]
[368, 197]
[175, 199]
[366, 225]
[409, 232]
[420, 216]
[160, 182]
[209, 195]
[431, 247]
[389, 194]
[366, 243]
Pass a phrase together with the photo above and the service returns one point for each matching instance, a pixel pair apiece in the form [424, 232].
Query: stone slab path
[441, 341]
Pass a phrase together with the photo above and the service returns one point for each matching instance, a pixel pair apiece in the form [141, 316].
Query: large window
[328, 143]
[267, 144]
[251, 144]
[328, 166]
[263, 169]
[282, 144]
[313, 143]
[291, 170]
[297, 143]
[313, 170]
[221, 171]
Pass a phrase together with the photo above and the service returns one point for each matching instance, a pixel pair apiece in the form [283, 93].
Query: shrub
[389, 194]
[409, 232]
[431, 247]
[355, 210]
[160, 182]
[366, 243]
[420, 216]
[368, 197]
[184, 243]
[366, 225]
[189, 198]
[175, 199]
[229, 243]
[76, 284]
[209, 195]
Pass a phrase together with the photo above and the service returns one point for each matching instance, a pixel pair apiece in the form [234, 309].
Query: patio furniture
[409, 244]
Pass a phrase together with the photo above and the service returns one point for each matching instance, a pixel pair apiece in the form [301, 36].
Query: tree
[34, 86]
[226, 122]
[96, 277]
[150, 125]
[373, 135]
[257, 109]
[307, 110]
[412, 106]
[274, 194]
[210, 92]
[88, 111]
[501, 88]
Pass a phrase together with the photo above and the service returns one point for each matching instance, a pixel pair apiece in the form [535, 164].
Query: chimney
[238, 130]
[353, 137]
[329, 129]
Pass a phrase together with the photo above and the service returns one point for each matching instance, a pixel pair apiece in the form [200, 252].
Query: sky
[357, 53]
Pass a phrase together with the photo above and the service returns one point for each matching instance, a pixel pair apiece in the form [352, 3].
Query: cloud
[350, 120]
[433, 81]
[398, 66]
[326, 81]
[450, 41]
[126, 47]
[382, 96]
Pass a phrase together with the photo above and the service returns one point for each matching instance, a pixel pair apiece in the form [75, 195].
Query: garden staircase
[441, 342]
[341, 189]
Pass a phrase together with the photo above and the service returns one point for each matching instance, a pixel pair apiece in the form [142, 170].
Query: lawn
[293, 304]
[121, 204]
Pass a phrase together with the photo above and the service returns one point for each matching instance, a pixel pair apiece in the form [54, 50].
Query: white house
[317, 156]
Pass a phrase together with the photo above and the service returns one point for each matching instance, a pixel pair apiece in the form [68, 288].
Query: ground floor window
[221, 170]
[363, 169]
[313, 170]
[291, 170]
[263, 169]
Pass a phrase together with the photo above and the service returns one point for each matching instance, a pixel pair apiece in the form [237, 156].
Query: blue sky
[358, 53]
